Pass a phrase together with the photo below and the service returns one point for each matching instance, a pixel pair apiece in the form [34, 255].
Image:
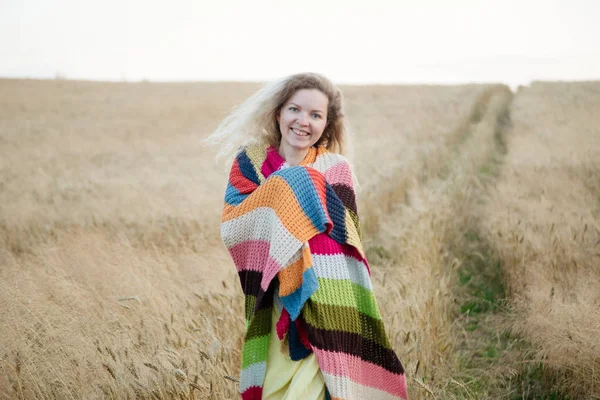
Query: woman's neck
[292, 156]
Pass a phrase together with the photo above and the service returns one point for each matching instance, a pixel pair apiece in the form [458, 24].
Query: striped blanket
[295, 230]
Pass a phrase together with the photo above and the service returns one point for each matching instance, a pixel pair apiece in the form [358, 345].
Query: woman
[290, 223]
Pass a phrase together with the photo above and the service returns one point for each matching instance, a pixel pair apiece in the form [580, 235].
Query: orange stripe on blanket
[290, 278]
[276, 194]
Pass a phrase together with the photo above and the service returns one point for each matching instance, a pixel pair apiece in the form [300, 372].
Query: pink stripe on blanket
[270, 270]
[251, 255]
[283, 325]
[323, 244]
[339, 174]
[272, 163]
[360, 371]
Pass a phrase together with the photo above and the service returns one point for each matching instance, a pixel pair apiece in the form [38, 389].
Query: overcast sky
[435, 41]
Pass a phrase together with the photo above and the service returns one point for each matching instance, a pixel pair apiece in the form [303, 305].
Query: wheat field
[543, 218]
[480, 210]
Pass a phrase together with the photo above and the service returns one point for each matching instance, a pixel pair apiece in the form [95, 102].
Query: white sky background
[418, 41]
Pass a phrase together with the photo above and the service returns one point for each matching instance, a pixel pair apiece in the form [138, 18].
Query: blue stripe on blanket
[297, 349]
[294, 301]
[337, 213]
[247, 168]
[233, 196]
[303, 187]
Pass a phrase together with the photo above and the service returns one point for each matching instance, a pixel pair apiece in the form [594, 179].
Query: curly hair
[254, 121]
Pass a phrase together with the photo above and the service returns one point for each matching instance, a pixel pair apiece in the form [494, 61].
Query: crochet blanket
[295, 230]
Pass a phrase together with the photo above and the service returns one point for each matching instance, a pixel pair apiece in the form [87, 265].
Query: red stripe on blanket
[252, 393]
[320, 185]
[239, 181]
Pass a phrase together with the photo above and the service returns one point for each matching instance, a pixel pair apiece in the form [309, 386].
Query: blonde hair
[254, 121]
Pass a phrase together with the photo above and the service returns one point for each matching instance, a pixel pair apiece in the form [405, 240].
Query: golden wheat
[543, 215]
[112, 275]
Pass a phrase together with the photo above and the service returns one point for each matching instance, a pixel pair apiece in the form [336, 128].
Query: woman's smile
[299, 132]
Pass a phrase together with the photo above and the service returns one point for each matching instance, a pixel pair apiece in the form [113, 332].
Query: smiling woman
[302, 121]
[257, 119]
[290, 223]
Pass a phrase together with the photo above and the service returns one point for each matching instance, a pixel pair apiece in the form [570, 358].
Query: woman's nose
[303, 119]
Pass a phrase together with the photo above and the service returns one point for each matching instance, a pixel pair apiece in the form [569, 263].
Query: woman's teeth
[299, 133]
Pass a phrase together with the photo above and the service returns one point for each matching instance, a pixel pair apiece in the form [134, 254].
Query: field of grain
[114, 282]
[543, 217]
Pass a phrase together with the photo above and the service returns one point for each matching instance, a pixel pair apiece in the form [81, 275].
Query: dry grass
[543, 216]
[419, 234]
[112, 274]
[107, 193]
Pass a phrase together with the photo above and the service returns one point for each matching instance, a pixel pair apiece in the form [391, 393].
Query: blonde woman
[290, 223]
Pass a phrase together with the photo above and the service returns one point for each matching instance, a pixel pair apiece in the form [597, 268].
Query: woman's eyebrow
[315, 110]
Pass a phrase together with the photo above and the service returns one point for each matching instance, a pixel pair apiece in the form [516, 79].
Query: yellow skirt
[287, 379]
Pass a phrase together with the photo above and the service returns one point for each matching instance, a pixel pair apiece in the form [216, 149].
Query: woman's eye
[293, 109]
[316, 115]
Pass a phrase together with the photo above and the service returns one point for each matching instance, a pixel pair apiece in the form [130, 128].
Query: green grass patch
[481, 277]
[485, 347]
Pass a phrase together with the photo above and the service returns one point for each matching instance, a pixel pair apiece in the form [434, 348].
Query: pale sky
[374, 41]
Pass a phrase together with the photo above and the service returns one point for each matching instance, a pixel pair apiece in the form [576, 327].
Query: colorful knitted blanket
[295, 230]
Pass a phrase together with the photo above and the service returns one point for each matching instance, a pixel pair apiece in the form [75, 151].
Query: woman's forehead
[309, 98]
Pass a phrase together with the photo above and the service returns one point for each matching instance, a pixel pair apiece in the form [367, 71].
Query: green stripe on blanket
[337, 292]
[255, 350]
[346, 319]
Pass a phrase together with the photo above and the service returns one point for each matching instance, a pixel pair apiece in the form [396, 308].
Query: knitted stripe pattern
[295, 230]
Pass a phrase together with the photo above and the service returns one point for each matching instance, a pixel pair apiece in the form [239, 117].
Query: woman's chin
[300, 145]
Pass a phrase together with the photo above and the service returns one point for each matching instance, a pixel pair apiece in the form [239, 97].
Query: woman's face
[302, 119]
